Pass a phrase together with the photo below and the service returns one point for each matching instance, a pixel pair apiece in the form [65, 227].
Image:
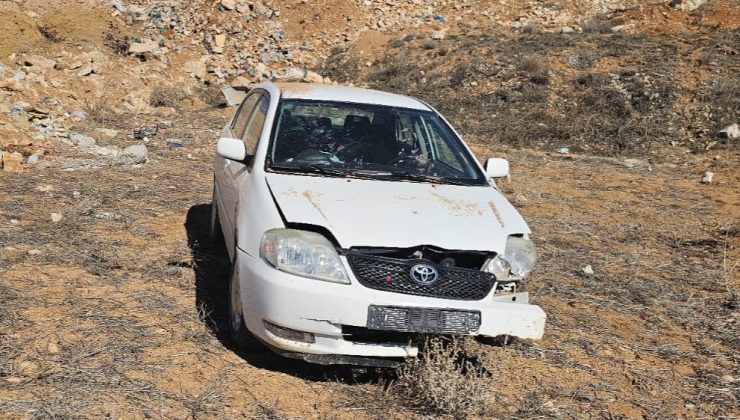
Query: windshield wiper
[423, 178]
[308, 168]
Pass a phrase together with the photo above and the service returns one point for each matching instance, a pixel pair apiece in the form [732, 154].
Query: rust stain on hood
[311, 197]
[494, 209]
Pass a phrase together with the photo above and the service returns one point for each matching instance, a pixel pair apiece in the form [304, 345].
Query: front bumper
[323, 308]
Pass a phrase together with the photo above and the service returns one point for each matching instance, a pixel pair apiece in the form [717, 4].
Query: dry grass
[443, 380]
[167, 96]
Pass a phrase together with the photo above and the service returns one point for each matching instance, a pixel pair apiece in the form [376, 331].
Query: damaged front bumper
[338, 318]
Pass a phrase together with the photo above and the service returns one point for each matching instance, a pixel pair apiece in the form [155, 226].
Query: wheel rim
[236, 316]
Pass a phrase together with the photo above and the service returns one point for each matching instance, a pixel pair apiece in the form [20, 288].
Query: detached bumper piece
[423, 320]
[393, 275]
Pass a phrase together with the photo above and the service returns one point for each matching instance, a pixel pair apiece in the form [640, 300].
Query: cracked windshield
[341, 139]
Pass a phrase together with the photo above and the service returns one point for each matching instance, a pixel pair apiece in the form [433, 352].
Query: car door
[236, 173]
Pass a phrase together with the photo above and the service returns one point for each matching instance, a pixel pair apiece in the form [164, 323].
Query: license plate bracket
[423, 320]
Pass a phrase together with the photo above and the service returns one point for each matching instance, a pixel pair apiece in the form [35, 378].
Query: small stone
[242, 8]
[13, 380]
[34, 159]
[76, 194]
[566, 30]
[269, 57]
[197, 68]
[12, 162]
[292, 74]
[79, 115]
[218, 43]
[438, 35]
[85, 71]
[53, 346]
[228, 4]
[39, 62]
[82, 141]
[730, 132]
[707, 178]
[110, 133]
[146, 46]
[313, 77]
[728, 378]
[588, 270]
[56, 217]
[134, 154]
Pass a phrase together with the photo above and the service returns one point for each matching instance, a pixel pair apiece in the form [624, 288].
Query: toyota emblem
[424, 274]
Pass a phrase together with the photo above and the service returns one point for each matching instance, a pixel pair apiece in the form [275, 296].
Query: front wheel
[238, 332]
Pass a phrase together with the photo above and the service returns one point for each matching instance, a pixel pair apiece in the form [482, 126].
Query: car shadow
[211, 269]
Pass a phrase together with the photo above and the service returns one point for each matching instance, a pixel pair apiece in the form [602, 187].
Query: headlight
[518, 259]
[303, 253]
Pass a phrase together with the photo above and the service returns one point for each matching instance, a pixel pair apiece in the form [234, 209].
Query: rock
[12, 162]
[79, 115]
[56, 217]
[85, 71]
[313, 77]
[34, 159]
[438, 35]
[632, 163]
[566, 30]
[623, 28]
[109, 152]
[228, 4]
[39, 62]
[588, 270]
[727, 378]
[53, 346]
[730, 132]
[197, 68]
[292, 74]
[5, 107]
[134, 154]
[108, 132]
[145, 131]
[268, 57]
[146, 46]
[82, 141]
[707, 178]
[12, 84]
[98, 60]
[218, 43]
[243, 8]
[687, 5]
[34, 252]
[233, 96]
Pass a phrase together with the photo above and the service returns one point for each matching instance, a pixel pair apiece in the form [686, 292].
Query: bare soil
[118, 308]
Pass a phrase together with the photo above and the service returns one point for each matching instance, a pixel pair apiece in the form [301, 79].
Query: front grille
[393, 275]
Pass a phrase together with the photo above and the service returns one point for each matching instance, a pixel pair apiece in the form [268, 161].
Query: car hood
[398, 214]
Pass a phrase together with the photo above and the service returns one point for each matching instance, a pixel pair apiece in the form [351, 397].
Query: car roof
[325, 92]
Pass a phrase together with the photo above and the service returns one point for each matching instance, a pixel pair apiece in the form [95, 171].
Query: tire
[241, 338]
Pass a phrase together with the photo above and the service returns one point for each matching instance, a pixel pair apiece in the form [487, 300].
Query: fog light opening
[289, 334]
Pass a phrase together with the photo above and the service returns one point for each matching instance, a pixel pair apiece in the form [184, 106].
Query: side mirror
[233, 149]
[497, 168]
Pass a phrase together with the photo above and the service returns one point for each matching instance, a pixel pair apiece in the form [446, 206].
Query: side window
[254, 127]
[243, 114]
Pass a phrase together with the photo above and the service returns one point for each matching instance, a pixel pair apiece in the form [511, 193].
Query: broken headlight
[303, 253]
[517, 261]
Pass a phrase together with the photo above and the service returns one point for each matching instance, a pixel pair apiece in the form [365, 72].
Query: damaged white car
[357, 220]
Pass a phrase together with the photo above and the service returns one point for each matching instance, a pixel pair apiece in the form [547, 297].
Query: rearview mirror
[233, 149]
[497, 168]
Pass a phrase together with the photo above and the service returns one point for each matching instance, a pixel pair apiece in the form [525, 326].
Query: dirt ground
[118, 309]
[113, 295]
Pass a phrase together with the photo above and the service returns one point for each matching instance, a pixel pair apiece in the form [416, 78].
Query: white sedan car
[357, 220]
